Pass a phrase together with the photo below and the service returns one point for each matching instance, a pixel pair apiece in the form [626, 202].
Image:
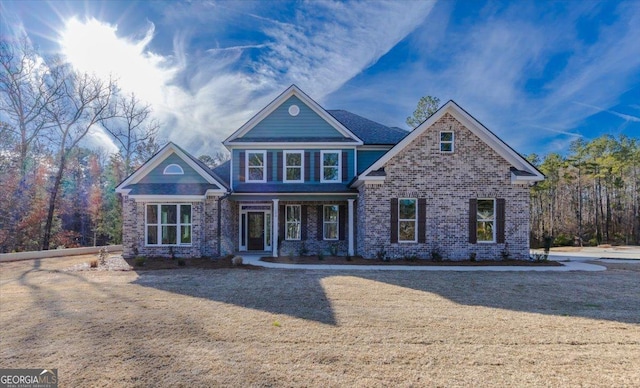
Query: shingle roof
[224, 171]
[293, 188]
[171, 188]
[295, 139]
[368, 131]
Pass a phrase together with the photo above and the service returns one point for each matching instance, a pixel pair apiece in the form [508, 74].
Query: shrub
[381, 254]
[411, 258]
[93, 264]
[139, 261]
[182, 262]
[237, 261]
[172, 253]
[348, 257]
[435, 254]
[333, 249]
[472, 256]
[320, 255]
[505, 252]
[562, 241]
[303, 251]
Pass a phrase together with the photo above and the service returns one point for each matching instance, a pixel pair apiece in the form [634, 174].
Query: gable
[280, 124]
[444, 119]
[171, 171]
[157, 175]
[292, 117]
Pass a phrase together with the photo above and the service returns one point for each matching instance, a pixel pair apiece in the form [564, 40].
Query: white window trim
[167, 169]
[284, 166]
[415, 222]
[322, 153]
[287, 222]
[159, 225]
[324, 222]
[264, 166]
[452, 142]
[493, 230]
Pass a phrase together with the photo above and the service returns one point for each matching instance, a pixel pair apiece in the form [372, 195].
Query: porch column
[274, 228]
[351, 250]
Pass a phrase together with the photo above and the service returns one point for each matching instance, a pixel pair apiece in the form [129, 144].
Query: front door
[256, 231]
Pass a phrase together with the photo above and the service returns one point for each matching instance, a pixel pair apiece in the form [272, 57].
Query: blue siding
[273, 161]
[281, 125]
[156, 175]
[366, 159]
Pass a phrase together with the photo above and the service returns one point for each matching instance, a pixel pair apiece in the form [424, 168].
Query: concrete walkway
[566, 266]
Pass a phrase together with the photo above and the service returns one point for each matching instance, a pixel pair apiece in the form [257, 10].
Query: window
[256, 171]
[173, 169]
[330, 166]
[407, 219]
[293, 222]
[446, 141]
[293, 166]
[486, 220]
[168, 224]
[330, 222]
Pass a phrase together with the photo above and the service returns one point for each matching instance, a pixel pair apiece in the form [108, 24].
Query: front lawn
[238, 327]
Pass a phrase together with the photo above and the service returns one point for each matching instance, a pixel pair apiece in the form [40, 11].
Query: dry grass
[235, 327]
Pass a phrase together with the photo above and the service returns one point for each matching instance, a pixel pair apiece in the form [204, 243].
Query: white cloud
[201, 98]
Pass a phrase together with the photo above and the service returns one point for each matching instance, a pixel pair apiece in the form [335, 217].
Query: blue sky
[538, 74]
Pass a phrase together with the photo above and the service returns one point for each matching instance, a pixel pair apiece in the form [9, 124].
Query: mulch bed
[357, 260]
[152, 263]
[117, 263]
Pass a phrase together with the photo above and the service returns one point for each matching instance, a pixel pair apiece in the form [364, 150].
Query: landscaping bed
[357, 260]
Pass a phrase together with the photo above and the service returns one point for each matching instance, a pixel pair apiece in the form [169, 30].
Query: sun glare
[93, 46]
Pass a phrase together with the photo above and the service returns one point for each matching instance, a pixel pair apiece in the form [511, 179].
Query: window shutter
[500, 220]
[319, 233]
[269, 163]
[303, 222]
[317, 169]
[394, 220]
[422, 220]
[279, 156]
[345, 166]
[473, 220]
[281, 220]
[307, 167]
[241, 168]
[342, 219]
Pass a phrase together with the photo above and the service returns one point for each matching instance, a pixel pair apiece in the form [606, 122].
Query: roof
[296, 140]
[293, 188]
[224, 172]
[370, 132]
[170, 148]
[171, 189]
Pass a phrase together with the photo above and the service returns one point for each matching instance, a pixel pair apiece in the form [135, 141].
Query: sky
[539, 74]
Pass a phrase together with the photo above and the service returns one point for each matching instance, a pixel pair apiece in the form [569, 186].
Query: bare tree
[82, 101]
[213, 161]
[132, 128]
[25, 91]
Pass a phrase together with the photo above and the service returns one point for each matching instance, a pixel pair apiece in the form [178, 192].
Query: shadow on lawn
[301, 294]
[277, 292]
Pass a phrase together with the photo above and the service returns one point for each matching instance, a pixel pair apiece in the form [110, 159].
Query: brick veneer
[204, 238]
[447, 182]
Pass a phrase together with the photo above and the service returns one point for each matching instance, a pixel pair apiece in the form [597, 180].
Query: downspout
[220, 222]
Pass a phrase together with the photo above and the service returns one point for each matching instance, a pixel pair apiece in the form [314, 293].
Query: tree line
[591, 196]
[57, 191]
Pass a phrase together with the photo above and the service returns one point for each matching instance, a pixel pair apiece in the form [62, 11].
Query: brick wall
[447, 182]
[203, 231]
